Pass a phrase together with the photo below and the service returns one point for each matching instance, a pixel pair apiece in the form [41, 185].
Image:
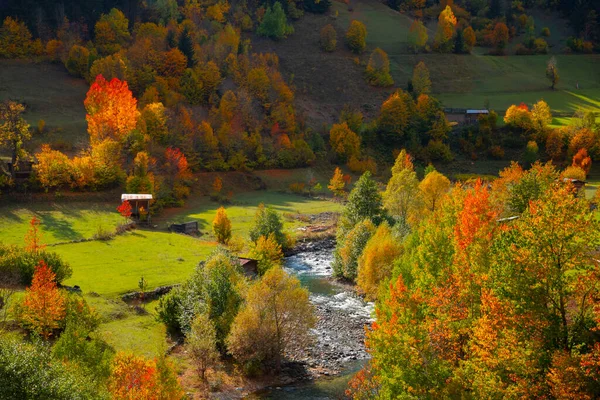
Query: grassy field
[106, 269]
[60, 222]
[51, 94]
[468, 81]
[123, 328]
[114, 267]
[241, 212]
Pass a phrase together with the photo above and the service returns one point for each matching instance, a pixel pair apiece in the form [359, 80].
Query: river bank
[323, 369]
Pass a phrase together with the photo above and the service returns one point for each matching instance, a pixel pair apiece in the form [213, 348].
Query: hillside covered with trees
[205, 198]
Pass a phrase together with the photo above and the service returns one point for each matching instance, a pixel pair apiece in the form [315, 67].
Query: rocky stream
[323, 370]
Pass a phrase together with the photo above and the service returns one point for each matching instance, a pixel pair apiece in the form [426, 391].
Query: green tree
[14, 132]
[420, 79]
[534, 183]
[378, 69]
[349, 247]
[274, 23]
[268, 253]
[552, 72]
[111, 32]
[344, 142]
[277, 315]
[417, 36]
[201, 344]
[186, 46]
[364, 202]
[402, 197]
[266, 222]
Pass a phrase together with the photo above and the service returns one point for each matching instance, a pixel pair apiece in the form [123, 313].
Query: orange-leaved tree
[582, 160]
[137, 378]
[33, 237]
[44, 306]
[111, 110]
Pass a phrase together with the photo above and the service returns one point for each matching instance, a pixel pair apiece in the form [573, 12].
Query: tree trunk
[14, 157]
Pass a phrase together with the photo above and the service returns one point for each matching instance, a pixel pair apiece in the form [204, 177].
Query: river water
[339, 344]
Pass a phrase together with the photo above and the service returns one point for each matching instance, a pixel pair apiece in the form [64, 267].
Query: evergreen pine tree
[186, 46]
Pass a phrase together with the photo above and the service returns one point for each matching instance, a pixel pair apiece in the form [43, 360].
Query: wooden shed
[472, 115]
[250, 266]
[139, 202]
[23, 171]
[189, 228]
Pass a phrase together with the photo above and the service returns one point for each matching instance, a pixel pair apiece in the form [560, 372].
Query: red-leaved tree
[125, 209]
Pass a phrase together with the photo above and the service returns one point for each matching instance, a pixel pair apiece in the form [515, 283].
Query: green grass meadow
[241, 212]
[106, 269]
[60, 222]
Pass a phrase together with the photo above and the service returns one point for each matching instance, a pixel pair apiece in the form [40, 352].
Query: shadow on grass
[60, 228]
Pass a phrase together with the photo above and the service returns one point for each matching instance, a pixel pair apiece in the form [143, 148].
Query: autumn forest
[298, 199]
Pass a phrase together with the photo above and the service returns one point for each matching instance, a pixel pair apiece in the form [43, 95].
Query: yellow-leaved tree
[433, 188]
[222, 226]
[445, 31]
[277, 315]
[377, 261]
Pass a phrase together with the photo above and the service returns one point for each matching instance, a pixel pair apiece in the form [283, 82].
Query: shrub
[361, 166]
[28, 371]
[496, 152]
[17, 263]
[378, 69]
[356, 36]
[298, 187]
[540, 46]
[574, 172]
[328, 38]
[531, 152]
[169, 310]
[545, 32]
[438, 150]
[77, 62]
[134, 377]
